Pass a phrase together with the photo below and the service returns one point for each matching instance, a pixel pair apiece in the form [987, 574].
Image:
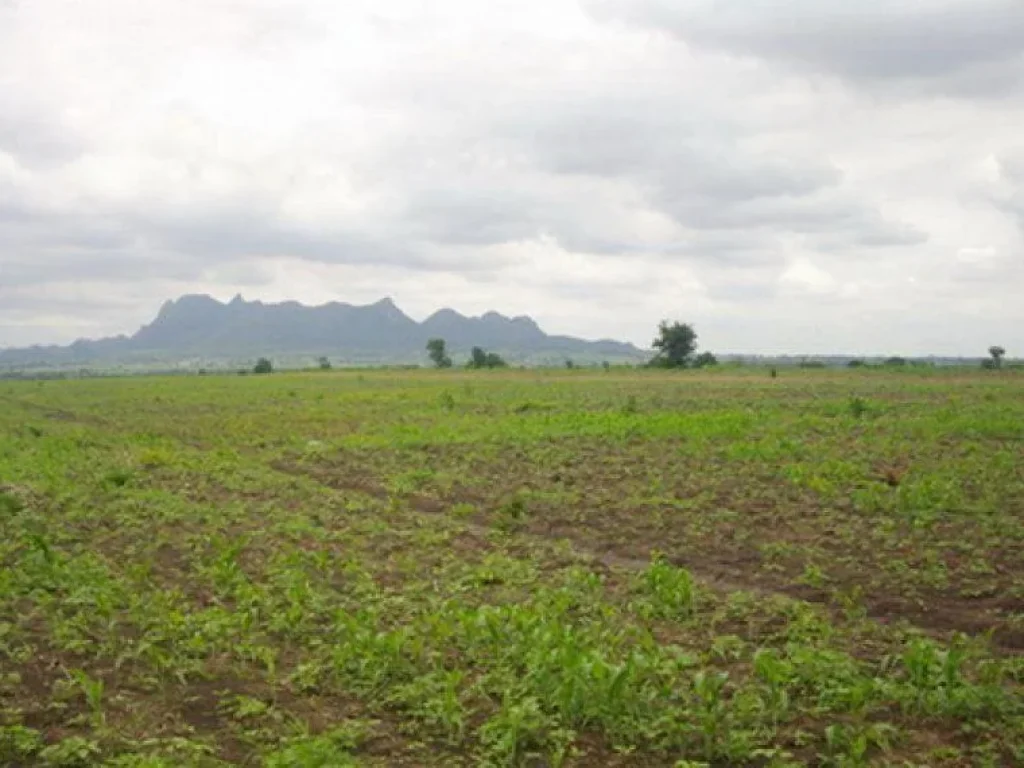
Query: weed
[18, 743]
[668, 592]
[516, 732]
[92, 690]
[72, 752]
[858, 407]
[117, 478]
[10, 504]
[512, 513]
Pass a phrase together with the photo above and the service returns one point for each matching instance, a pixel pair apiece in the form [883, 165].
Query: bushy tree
[263, 365]
[437, 349]
[480, 358]
[997, 354]
[676, 343]
[477, 358]
[705, 360]
[325, 364]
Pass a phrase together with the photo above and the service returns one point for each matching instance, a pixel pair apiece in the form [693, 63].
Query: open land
[576, 568]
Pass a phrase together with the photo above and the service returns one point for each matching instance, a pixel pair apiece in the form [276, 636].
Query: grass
[513, 568]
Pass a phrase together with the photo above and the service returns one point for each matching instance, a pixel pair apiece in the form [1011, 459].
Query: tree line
[437, 350]
[676, 346]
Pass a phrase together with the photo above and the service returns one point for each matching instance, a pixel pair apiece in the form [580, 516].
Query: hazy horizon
[643, 347]
[796, 178]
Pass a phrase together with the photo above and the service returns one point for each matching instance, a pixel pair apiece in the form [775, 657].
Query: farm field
[564, 568]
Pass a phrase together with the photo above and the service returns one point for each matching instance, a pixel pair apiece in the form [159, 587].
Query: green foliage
[10, 504]
[996, 354]
[668, 592]
[518, 731]
[480, 358]
[276, 558]
[324, 364]
[848, 746]
[263, 365]
[19, 744]
[447, 401]
[72, 752]
[858, 407]
[705, 360]
[331, 749]
[437, 351]
[675, 344]
[512, 513]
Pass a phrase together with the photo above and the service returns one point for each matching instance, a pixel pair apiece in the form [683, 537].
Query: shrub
[858, 407]
[480, 358]
[704, 360]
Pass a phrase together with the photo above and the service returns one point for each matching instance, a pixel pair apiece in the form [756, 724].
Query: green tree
[263, 365]
[477, 358]
[997, 354]
[676, 343]
[705, 360]
[325, 364]
[438, 352]
[480, 358]
[494, 360]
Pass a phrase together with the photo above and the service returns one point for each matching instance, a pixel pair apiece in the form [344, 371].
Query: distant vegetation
[190, 323]
[995, 359]
[674, 345]
[437, 349]
[481, 358]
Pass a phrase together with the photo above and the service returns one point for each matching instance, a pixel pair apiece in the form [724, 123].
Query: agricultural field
[513, 568]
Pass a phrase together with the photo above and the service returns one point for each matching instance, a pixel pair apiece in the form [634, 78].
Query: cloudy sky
[790, 176]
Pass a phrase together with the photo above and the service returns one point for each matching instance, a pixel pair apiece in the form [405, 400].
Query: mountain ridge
[200, 326]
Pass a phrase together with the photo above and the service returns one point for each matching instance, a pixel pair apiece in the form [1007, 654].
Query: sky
[801, 176]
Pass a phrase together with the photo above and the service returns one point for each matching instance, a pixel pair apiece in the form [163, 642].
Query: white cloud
[749, 170]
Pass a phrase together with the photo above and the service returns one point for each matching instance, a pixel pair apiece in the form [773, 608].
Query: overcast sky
[790, 176]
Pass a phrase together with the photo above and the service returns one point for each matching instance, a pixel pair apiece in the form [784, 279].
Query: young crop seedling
[523, 567]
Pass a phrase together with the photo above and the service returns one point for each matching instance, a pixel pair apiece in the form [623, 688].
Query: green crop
[513, 568]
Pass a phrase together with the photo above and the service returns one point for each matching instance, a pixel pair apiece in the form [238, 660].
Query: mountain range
[201, 328]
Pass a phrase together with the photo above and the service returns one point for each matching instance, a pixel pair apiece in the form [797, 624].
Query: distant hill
[198, 328]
